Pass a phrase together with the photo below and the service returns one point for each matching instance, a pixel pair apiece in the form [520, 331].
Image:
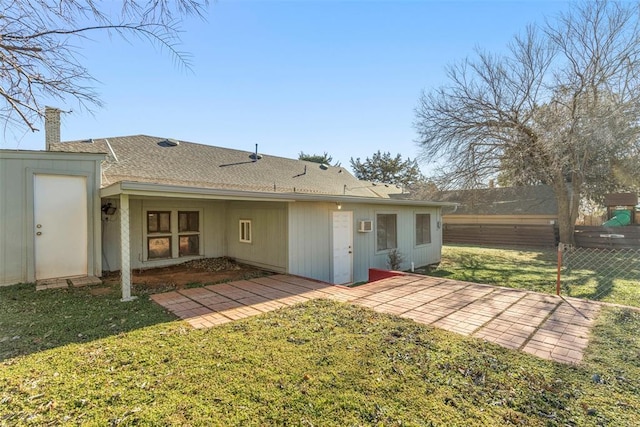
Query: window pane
[391, 233]
[188, 221]
[158, 222]
[159, 247]
[190, 245]
[152, 222]
[386, 231]
[423, 229]
[165, 222]
[245, 230]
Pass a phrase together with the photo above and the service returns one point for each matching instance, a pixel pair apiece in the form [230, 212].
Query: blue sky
[291, 76]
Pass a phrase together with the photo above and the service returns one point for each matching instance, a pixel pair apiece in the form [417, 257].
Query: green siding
[310, 239]
[268, 247]
[219, 232]
[16, 208]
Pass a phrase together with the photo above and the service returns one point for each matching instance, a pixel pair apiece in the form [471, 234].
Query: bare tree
[39, 57]
[560, 108]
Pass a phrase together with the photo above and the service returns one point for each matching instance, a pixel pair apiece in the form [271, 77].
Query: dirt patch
[189, 274]
[102, 290]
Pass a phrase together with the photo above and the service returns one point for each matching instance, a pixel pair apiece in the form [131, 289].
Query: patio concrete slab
[65, 282]
[51, 284]
[546, 326]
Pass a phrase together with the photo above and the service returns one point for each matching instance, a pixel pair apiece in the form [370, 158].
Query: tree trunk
[568, 204]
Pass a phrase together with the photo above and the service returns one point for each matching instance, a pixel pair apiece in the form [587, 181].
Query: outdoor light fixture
[339, 205]
[108, 209]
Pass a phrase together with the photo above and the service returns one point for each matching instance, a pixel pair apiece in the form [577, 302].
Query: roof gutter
[143, 189]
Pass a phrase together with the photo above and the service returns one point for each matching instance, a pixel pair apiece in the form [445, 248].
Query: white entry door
[342, 247]
[60, 221]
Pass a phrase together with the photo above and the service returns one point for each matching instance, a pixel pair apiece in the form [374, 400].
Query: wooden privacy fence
[541, 236]
[501, 235]
[608, 237]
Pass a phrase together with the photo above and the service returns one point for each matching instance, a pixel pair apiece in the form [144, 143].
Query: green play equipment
[621, 217]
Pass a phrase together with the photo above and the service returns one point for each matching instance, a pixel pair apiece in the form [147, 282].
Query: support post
[558, 277]
[125, 250]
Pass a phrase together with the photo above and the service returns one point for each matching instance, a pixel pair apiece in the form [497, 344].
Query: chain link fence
[599, 273]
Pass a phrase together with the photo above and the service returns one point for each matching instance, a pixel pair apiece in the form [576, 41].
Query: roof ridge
[124, 137]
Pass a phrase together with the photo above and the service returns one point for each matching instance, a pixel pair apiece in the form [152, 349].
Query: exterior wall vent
[365, 226]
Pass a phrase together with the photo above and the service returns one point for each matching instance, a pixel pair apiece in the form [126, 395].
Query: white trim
[49, 155]
[245, 231]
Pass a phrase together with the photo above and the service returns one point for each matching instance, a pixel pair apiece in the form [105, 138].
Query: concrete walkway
[547, 326]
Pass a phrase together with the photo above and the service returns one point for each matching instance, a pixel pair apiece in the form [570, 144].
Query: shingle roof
[143, 158]
[530, 200]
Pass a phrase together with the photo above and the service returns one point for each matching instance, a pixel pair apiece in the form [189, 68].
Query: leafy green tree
[324, 158]
[382, 167]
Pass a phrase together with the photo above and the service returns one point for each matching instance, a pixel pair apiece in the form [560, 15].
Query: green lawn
[533, 269]
[70, 358]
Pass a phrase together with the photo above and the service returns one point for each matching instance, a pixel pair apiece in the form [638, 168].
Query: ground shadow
[33, 321]
[602, 275]
[580, 286]
[537, 274]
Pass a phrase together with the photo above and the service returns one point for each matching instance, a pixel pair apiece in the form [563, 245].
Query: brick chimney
[51, 126]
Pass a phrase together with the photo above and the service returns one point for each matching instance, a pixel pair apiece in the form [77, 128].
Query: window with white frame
[245, 230]
[423, 228]
[172, 234]
[386, 231]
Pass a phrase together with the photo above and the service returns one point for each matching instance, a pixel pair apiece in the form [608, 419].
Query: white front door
[342, 247]
[60, 226]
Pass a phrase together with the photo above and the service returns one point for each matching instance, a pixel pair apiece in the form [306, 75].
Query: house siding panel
[17, 261]
[310, 239]
[12, 225]
[268, 247]
[220, 222]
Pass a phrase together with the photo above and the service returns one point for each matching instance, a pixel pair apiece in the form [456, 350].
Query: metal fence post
[560, 250]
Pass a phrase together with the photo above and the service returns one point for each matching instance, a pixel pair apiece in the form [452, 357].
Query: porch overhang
[125, 190]
[145, 189]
